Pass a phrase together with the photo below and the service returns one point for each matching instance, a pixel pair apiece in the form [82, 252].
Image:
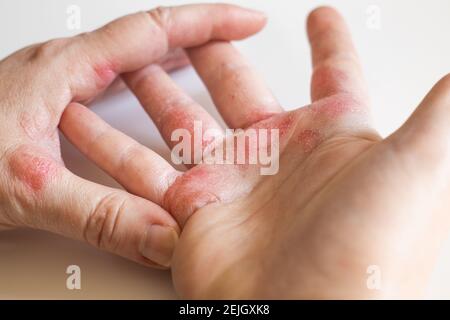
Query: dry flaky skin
[344, 200]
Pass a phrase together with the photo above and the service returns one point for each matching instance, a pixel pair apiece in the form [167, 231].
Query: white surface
[402, 61]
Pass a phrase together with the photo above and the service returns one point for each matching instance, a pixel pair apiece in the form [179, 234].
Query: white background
[402, 61]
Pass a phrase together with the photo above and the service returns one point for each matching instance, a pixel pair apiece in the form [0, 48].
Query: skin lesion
[309, 139]
[187, 195]
[105, 74]
[327, 80]
[31, 168]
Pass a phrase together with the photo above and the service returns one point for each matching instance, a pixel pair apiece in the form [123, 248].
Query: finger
[425, 137]
[51, 198]
[133, 42]
[140, 170]
[170, 108]
[176, 59]
[335, 62]
[239, 93]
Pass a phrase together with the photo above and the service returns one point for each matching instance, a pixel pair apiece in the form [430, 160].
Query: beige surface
[402, 60]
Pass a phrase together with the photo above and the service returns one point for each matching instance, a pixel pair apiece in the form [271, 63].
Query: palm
[298, 229]
[224, 243]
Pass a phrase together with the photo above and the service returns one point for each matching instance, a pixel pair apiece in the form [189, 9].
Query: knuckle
[29, 174]
[32, 167]
[101, 226]
[160, 16]
[50, 49]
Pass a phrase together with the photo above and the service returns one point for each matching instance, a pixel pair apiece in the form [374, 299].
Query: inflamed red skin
[31, 169]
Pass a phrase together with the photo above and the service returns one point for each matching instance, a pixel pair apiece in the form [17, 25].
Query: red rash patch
[105, 75]
[285, 125]
[333, 107]
[327, 81]
[188, 193]
[309, 140]
[33, 170]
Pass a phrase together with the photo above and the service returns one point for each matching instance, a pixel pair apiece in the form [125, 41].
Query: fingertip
[259, 18]
[240, 22]
[323, 12]
[322, 17]
[439, 95]
[249, 12]
[444, 83]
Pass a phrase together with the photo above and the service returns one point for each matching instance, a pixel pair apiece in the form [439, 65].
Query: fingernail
[158, 244]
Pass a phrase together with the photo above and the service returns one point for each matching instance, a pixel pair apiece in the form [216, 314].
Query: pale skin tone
[344, 198]
[39, 82]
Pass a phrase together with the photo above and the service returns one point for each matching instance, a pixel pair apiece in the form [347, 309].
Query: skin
[343, 201]
[39, 82]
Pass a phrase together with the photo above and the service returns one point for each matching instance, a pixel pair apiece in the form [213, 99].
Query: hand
[344, 199]
[39, 82]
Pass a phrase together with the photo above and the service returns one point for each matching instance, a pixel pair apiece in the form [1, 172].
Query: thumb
[54, 199]
[425, 138]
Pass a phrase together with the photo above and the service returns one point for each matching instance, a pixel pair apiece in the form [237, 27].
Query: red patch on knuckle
[105, 74]
[31, 168]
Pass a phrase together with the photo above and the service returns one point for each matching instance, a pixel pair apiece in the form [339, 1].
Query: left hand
[36, 86]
